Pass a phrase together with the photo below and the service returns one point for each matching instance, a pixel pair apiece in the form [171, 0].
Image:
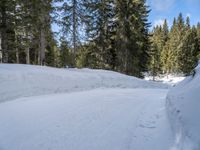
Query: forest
[99, 34]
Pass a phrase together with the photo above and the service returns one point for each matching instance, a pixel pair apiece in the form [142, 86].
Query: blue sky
[168, 9]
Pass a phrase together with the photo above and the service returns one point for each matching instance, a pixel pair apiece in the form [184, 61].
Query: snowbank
[167, 79]
[183, 105]
[27, 80]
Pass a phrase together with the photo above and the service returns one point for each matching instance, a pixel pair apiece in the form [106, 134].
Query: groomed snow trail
[100, 119]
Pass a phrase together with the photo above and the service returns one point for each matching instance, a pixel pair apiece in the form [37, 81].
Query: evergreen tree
[101, 31]
[23, 25]
[71, 21]
[164, 51]
[154, 61]
[158, 42]
[51, 51]
[198, 37]
[7, 9]
[158, 53]
[175, 45]
[65, 55]
[165, 31]
[132, 36]
[179, 47]
[189, 51]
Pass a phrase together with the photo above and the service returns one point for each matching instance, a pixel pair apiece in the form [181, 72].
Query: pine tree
[154, 61]
[65, 55]
[179, 46]
[158, 42]
[51, 51]
[23, 25]
[132, 33]
[7, 9]
[71, 21]
[189, 51]
[175, 45]
[101, 31]
[158, 53]
[165, 30]
[164, 51]
[198, 37]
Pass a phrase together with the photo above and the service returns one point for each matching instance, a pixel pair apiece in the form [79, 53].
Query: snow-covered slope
[183, 105]
[26, 80]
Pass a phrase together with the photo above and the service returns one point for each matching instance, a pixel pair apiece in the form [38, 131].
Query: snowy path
[101, 119]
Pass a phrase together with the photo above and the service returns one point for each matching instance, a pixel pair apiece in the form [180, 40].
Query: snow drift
[183, 106]
[27, 80]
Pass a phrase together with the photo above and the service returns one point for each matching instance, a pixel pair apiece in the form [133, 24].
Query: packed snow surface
[183, 106]
[111, 119]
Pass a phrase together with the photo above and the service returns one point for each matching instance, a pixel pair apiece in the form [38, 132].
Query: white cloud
[162, 5]
[188, 15]
[158, 22]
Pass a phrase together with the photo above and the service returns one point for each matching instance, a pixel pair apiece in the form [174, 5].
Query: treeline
[175, 50]
[105, 34]
[25, 31]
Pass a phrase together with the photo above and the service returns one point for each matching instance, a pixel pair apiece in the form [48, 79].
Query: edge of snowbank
[183, 112]
[29, 80]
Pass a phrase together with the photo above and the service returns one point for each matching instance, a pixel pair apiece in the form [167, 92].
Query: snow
[183, 111]
[27, 80]
[100, 119]
[169, 79]
[43, 108]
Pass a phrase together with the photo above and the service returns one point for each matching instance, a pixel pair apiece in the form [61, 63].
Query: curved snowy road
[101, 119]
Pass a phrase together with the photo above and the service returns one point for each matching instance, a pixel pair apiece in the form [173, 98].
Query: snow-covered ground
[183, 107]
[101, 119]
[166, 79]
[26, 80]
[44, 108]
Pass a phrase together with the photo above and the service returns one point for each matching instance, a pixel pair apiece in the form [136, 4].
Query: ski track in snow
[101, 119]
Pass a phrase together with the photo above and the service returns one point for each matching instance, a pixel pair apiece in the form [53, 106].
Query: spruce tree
[179, 48]
[158, 42]
[164, 51]
[65, 55]
[132, 36]
[100, 31]
[72, 19]
[7, 9]
[189, 51]
[198, 37]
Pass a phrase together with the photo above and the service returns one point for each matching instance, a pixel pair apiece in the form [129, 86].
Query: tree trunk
[42, 47]
[0, 50]
[16, 49]
[3, 33]
[17, 55]
[126, 56]
[4, 48]
[38, 56]
[74, 30]
[27, 55]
